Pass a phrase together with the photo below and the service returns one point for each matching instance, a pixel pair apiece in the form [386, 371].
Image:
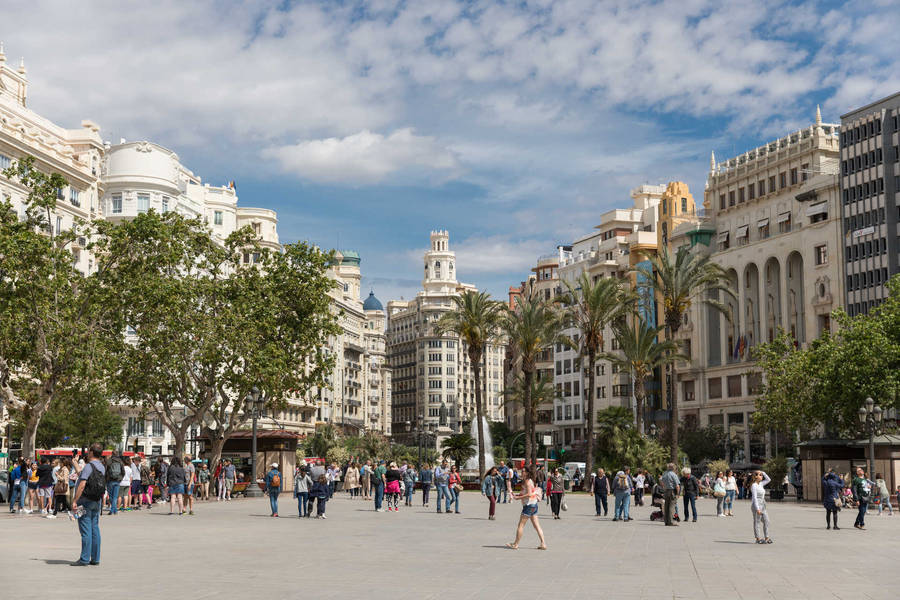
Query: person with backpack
[273, 487]
[503, 495]
[115, 471]
[88, 496]
[622, 486]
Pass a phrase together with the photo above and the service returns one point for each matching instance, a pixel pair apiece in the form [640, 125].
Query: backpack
[276, 481]
[95, 486]
[114, 472]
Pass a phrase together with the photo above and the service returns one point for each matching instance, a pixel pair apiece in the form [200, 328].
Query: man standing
[639, 482]
[379, 483]
[229, 478]
[190, 480]
[671, 488]
[136, 482]
[441, 479]
[163, 467]
[862, 492]
[115, 471]
[691, 487]
[273, 487]
[600, 490]
[45, 485]
[88, 495]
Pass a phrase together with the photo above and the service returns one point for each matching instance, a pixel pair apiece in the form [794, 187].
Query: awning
[723, 236]
[817, 209]
[784, 217]
[743, 230]
[762, 223]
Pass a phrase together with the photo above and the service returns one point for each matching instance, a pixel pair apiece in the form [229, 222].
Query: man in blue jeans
[273, 487]
[441, 479]
[89, 495]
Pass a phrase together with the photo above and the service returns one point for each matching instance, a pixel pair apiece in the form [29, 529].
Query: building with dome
[433, 383]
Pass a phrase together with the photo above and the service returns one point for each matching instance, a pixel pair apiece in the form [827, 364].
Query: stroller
[657, 500]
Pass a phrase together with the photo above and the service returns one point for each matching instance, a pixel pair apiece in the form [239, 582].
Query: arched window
[437, 268]
[665, 233]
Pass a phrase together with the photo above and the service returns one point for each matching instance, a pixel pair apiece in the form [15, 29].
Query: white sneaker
[28, 511]
[43, 512]
[324, 517]
[50, 516]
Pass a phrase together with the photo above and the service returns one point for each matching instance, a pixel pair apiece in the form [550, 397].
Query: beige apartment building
[433, 384]
[776, 218]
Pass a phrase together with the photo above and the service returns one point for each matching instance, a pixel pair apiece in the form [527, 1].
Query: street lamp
[870, 416]
[254, 401]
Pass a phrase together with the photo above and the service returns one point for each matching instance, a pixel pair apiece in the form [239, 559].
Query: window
[73, 197]
[559, 413]
[60, 194]
[761, 186]
[559, 367]
[5, 162]
[782, 180]
[601, 391]
[731, 198]
[734, 386]
[135, 426]
[257, 229]
[568, 412]
[116, 204]
[601, 369]
[721, 201]
[751, 191]
[576, 389]
[741, 197]
[821, 254]
[567, 387]
[577, 411]
[434, 384]
[715, 387]
[684, 205]
[59, 224]
[784, 223]
[165, 204]
[804, 172]
[621, 390]
[688, 390]
[664, 204]
[157, 428]
[794, 176]
[772, 184]
[143, 203]
[217, 217]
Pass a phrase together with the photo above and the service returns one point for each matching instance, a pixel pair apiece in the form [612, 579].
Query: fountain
[472, 463]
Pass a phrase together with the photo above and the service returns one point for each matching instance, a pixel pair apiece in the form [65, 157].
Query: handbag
[564, 506]
[61, 487]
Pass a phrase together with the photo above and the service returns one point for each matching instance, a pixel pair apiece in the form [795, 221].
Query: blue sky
[514, 125]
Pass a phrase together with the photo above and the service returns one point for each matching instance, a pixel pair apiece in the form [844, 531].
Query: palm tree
[678, 282]
[615, 426]
[529, 328]
[541, 391]
[640, 353]
[459, 447]
[591, 305]
[476, 320]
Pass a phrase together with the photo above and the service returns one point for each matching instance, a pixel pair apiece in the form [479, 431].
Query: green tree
[678, 282]
[539, 392]
[476, 320]
[460, 447]
[591, 306]
[207, 329]
[321, 442]
[529, 328]
[827, 382]
[640, 354]
[703, 442]
[54, 324]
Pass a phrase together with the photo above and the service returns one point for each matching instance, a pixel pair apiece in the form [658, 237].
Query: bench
[240, 487]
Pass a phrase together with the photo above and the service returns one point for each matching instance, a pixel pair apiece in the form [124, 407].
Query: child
[320, 492]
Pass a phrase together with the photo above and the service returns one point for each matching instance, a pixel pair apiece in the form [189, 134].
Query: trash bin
[566, 484]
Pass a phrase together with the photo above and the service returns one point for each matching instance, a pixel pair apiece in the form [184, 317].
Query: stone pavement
[235, 548]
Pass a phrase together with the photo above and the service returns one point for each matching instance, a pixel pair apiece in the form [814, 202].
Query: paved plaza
[235, 548]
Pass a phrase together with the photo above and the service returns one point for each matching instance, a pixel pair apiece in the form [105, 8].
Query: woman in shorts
[530, 497]
[175, 476]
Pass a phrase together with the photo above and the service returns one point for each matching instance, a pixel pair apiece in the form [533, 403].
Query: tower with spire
[13, 82]
[440, 265]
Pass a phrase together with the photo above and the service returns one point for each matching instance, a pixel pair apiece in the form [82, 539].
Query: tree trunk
[639, 404]
[33, 420]
[179, 434]
[673, 389]
[475, 359]
[215, 448]
[529, 426]
[589, 417]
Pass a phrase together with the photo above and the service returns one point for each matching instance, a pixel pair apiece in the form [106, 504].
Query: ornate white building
[432, 380]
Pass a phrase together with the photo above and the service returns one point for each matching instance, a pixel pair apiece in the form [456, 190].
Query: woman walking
[455, 485]
[530, 497]
[351, 480]
[555, 491]
[759, 481]
[365, 476]
[392, 487]
[490, 488]
[832, 486]
[176, 480]
[719, 493]
[61, 487]
[427, 478]
[302, 484]
[731, 490]
[884, 494]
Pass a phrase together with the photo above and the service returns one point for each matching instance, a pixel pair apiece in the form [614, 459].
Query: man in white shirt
[639, 481]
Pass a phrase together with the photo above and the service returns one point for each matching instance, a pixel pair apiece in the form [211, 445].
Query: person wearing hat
[273, 487]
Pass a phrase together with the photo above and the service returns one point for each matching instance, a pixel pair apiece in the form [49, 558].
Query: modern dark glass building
[870, 190]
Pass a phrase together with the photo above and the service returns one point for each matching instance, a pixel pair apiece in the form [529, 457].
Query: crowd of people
[91, 484]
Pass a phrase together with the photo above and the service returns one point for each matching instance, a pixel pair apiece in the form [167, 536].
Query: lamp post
[870, 416]
[254, 401]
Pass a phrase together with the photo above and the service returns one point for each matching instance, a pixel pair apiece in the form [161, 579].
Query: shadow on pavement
[732, 542]
[54, 561]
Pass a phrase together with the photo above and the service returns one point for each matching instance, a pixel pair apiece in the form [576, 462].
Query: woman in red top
[455, 484]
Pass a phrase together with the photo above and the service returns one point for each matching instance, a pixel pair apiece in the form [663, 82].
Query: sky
[514, 125]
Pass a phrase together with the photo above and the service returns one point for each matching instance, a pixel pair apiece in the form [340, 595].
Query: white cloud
[365, 157]
[477, 255]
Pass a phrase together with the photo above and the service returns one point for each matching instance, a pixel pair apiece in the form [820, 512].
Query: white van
[570, 469]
